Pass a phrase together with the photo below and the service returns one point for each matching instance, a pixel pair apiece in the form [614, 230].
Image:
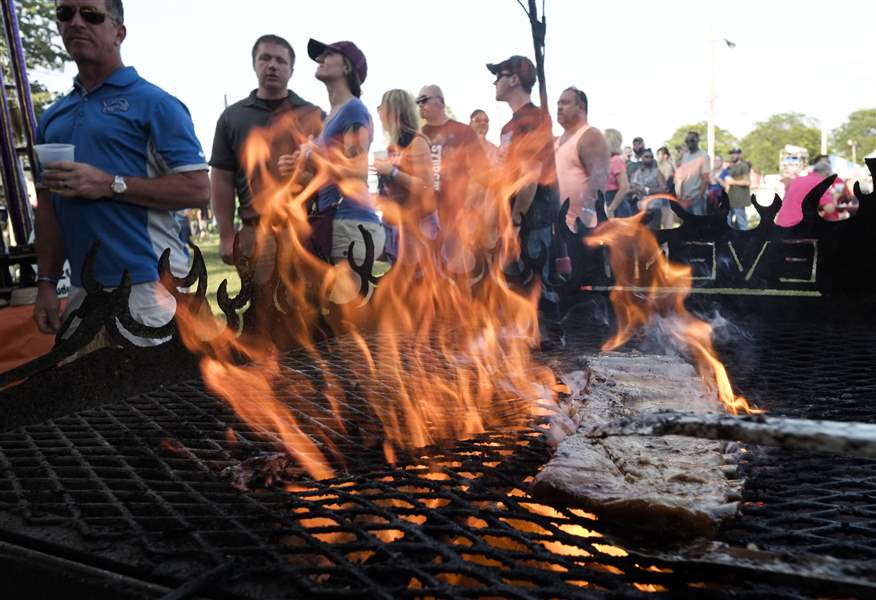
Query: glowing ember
[611, 550]
[415, 519]
[476, 523]
[545, 566]
[457, 580]
[655, 569]
[505, 543]
[231, 437]
[388, 536]
[174, 447]
[484, 561]
[583, 514]
[541, 509]
[360, 557]
[650, 289]
[579, 531]
[318, 522]
[525, 526]
[650, 588]
[564, 549]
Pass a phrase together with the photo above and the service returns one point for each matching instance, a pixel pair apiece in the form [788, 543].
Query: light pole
[823, 137]
[710, 133]
[854, 146]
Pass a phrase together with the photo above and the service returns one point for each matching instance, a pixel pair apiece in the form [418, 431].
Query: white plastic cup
[378, 155]
[49, 153]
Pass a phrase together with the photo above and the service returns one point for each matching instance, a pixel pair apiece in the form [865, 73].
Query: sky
[644, 65]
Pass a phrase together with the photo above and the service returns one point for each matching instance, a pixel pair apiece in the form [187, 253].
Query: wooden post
[851, 439]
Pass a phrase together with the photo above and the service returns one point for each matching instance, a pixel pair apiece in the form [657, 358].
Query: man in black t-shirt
[527, 159]
[457, 156]
[282, 117]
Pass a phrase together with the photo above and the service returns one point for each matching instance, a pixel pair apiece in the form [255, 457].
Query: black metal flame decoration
[816, 258]
[109, 310]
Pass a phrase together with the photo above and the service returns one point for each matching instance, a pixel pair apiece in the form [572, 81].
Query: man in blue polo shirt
[137, 160]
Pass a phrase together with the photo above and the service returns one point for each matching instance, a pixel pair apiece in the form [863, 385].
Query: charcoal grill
[128, 500]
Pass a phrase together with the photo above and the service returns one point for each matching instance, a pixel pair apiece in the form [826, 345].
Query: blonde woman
[405, 175]
[618, 185]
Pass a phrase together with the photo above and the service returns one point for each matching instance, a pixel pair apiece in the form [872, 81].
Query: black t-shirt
[528, 137]
[296, 119]
[457, 155]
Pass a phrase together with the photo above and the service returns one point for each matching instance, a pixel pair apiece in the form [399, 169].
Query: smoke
[664, 334]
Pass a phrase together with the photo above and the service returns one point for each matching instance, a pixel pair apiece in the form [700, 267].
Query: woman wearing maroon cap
[342, 148]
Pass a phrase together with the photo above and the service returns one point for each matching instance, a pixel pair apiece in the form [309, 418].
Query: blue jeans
[539, 241]
[740, 217]
[698, 206]
[623, 210]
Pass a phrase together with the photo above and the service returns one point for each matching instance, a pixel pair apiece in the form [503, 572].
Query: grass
[217, 271]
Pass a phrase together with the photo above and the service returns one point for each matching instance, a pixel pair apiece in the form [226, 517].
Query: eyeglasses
[499, 76]
[89, 14]
[424, 99]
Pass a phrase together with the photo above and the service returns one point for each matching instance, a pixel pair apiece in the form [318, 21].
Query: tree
[42, 50]
[724, 140]
[860, 129]
[763, 144]
[36, 19]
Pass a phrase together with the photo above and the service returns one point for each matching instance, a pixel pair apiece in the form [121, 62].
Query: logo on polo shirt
[116, 105]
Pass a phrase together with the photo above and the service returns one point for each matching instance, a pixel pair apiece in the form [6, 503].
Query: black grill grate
[135, 487]
[108, 482]
[821, 369]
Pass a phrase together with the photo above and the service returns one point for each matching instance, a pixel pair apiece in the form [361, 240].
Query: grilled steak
[679, 486]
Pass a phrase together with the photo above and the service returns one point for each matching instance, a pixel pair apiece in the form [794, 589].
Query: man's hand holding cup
[77, 180]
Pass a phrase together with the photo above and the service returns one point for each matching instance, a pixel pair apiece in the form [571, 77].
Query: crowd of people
[138, 163]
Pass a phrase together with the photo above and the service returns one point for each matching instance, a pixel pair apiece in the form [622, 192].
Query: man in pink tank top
[582, 158]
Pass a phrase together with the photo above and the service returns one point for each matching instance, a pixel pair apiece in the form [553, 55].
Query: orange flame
[455, 356]
[649, 287]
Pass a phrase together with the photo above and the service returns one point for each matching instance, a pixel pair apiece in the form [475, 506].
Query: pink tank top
[572, 177]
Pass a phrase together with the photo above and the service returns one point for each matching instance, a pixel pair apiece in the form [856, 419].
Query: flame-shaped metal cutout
[365, 271]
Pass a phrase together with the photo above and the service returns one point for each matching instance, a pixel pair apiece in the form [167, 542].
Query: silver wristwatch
[119, 186]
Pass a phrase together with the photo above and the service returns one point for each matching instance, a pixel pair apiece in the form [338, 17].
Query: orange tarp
[20, 340]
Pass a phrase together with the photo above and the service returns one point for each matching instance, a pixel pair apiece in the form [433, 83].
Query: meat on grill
[260, 471]
[682, 487]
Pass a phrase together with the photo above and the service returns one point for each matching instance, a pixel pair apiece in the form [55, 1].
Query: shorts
[149, 304]
[345, 231]
[259, 249]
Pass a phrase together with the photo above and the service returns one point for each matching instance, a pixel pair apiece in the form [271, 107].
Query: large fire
[649, 288]
[445, 333]
[443, 330]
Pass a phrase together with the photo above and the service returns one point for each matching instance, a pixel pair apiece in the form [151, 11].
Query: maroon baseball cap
[516, 65]
[349, 50]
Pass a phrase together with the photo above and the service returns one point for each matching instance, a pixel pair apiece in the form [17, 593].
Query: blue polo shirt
[129, 127]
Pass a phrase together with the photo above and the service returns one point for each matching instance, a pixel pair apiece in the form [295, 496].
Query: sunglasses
[89, 14]
[424, 99]
[499, 76]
